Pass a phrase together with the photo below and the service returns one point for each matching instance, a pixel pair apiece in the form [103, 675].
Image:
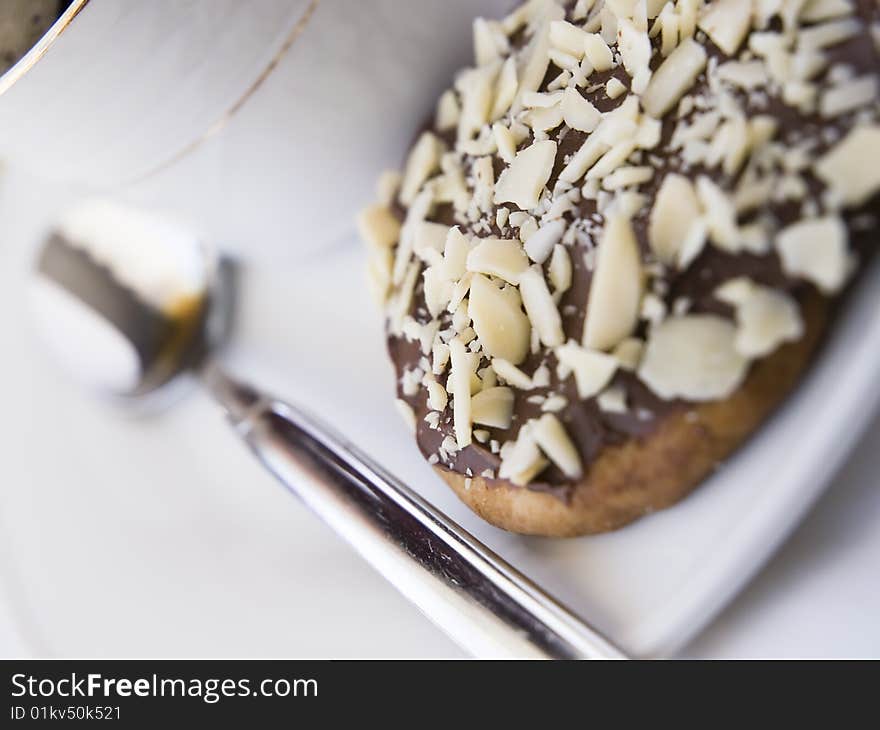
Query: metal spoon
[131, 302]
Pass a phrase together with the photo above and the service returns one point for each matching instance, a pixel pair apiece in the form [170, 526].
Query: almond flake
[540, 306]
[674, 77]
[567, 38]
[625, 177]
[550, 435]
[693, 357]
[852, 167]
[675, 208]
[540, 244]
[598, 53]
[560, 272]
[503, 258]
[628, 353]
[720, 214]
[828, 34]
[634, 47]
[612, 400]
[614, 88]
[498, 319]
[505, 89]
[726, 22]
[743, 74]
[429, 238]
[765, 318]
[816, 10]
[616, 287]
[437, 396]
[448, 112]
[493, 407]
[461, 371]
[511, 374]
[505, 142]
[579, 113]
[816, 250]
[592, 369]
[423, 161]
[378, 227]
[848, 96]
[584, 159]
[521, 460]
[522, 182]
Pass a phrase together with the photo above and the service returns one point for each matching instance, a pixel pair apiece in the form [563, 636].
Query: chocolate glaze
[591, 429]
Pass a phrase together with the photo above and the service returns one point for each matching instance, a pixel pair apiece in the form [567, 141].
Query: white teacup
[265, 123]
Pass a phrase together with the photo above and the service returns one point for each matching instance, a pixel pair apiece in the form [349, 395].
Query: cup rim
[39, 49]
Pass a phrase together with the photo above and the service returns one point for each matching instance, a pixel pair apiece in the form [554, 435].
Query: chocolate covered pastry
[615, 249]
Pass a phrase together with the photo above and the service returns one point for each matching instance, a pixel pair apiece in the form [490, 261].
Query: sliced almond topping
[544, 120]
[437, 289]
[629, 353]
[614, 88]
[848, 96]
[567, 38]
[455, 253]
[511, 374]
[816, 250]
[477, 87]
[674, 77]
[487, 47]
[765, 317]
[429, 239]
[693, 357]
[579, 113]
[521, 460]
[612, 159]
[559, 271]
[720, 214]
[726, 22]
[598, 53]
[493, 407]
[675, 208]
[540, 244]
[505, 142]
[498, 319]
[461, 372]
[537, 54]
[448, 112]
[437, 396]
[378, 226]
[612, 400]
[423, 161]
[616, 287]
[505, 89]
[540, 306]
[522, 182]
[550, 435]
[744, 74]
[503, 258]
[816, 10]
[584, 159]
[852, 167]
[626, 177]
[592, 369]
[830, 33]
[634, 46]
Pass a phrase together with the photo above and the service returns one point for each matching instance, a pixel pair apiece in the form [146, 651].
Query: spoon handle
[482, 602]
